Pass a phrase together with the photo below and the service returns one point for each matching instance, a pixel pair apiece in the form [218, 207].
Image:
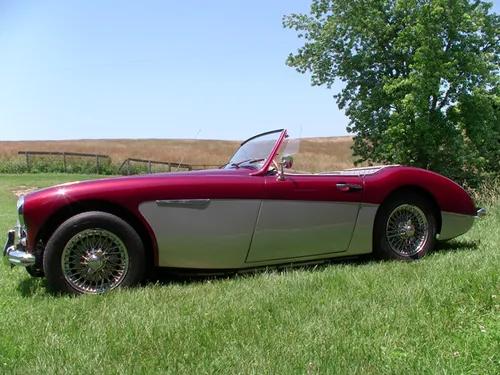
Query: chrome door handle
[187, 203]
[349, 187]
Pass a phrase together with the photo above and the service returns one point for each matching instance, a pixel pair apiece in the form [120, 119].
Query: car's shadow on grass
[165, 276]
[30, 287]
[457, 245]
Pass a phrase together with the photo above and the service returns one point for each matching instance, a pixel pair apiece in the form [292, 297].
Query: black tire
[36, 270]
[393, 238]
[120, 264]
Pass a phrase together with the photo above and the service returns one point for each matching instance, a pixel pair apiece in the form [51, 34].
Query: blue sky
[73, 69]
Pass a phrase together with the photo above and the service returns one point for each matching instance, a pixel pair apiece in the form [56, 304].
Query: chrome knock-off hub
[95, 261]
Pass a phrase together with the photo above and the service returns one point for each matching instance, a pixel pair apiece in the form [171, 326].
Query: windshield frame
[261, 135]
[282, 134]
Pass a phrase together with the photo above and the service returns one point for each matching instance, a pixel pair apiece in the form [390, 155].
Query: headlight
[20, 210]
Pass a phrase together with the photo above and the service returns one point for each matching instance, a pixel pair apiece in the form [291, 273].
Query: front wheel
[405, 227]
[36, 270]
[92, 253]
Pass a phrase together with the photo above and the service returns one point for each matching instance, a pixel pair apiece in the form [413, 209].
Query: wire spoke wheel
[407, 230]
[94, 261]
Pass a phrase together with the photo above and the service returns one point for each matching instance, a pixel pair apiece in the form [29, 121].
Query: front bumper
[480, 212]
[15, 254]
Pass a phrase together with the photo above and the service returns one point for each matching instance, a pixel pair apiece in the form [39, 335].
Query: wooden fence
[64, 155]
[200, 167]
[150, 163]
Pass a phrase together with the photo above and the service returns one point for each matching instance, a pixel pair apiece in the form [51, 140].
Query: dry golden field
[315, 153]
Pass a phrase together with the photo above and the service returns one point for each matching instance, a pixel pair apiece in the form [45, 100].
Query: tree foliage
[421, 78]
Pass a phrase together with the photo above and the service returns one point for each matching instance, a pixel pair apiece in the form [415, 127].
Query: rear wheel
[92, 253]
[405, 227]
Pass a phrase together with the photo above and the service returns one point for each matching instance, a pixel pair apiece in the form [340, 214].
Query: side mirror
[286, 162]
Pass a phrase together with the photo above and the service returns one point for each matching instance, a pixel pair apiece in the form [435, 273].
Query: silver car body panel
[196, 234]
[231, 234]
[291, 229]
[362, 238]
[454, 225]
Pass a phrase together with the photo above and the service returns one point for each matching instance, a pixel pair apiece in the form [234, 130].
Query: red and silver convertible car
[94, 236]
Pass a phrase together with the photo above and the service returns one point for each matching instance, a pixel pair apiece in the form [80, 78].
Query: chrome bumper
[480, 212]
[16, 254]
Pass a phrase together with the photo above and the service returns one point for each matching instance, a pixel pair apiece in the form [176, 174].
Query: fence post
[27, 160]
[128, 167]
[64, 161]
[97, 163]
[169, 167]
[149, 166]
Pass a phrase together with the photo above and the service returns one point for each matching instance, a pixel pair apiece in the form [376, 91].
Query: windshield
[254, 152]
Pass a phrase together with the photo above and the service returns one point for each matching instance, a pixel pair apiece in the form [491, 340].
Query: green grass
[75, 165]
[440, 315]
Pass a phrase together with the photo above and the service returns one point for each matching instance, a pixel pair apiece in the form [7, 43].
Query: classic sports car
[93, 236]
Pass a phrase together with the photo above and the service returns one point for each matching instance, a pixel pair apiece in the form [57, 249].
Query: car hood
[130, 182]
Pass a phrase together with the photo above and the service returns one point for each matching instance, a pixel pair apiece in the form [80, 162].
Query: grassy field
[440, 315]
[315, 153]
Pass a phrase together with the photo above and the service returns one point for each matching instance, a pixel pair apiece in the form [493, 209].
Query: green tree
[421, 78]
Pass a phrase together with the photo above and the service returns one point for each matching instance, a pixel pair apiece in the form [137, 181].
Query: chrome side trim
[454, 225]
[193, 203]
[362, 238]
[349, 187]
[359, 171]
[20, 210]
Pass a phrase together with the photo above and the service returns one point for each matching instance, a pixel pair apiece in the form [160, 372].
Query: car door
[306, 216]
[205, 222]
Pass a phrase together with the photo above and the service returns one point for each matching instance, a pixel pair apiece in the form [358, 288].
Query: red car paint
[130, 192]
[450, 196]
